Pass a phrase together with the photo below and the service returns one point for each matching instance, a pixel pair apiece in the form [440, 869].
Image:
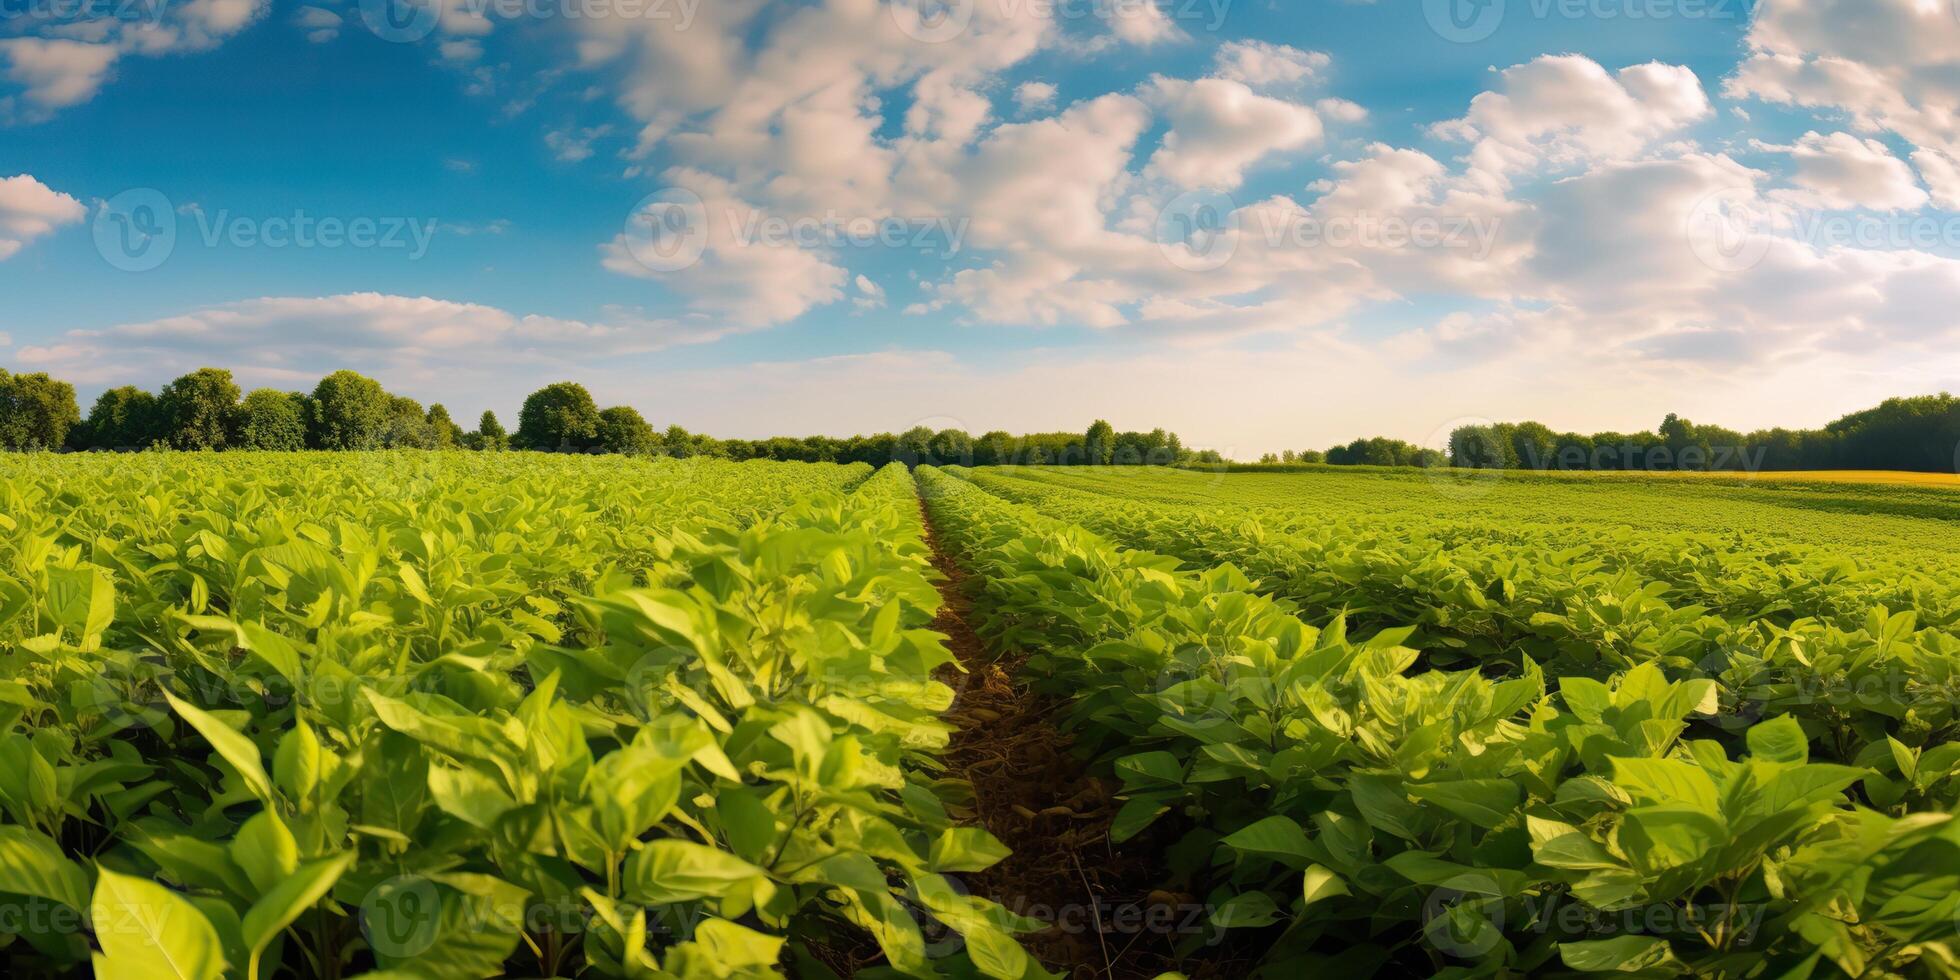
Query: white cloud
[56, 74]
[1842, 171]
[1566, 110]
[1262, 64]
[1942, 174]
[743, 272]
[70, 65]
[1141, 22]
[1029, 96]
[574, 145]
[29, 210]
[1889, 64]
[1341, 110]
[870, 295]
[288, 341]
[1220, 127]
[320, 24]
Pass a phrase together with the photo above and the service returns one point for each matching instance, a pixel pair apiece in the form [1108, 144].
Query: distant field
[1333, 695]
[1881, 477]
[1892, 520]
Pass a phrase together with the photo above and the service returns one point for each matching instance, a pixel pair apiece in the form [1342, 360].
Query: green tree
[36, 411]
[1476, 447]
[447, 433]
[122, 418]
[1534, 446]
[200, 409]
[272, 420]
[1099, 444]
[623, 430]
[913, 446]
[996, 448]
[951, 447]
[558, 416]
[349, 411]
[677, 442]
[489, 435]
[408, 425]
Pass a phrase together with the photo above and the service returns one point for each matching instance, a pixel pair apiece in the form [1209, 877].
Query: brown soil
[1036, 796]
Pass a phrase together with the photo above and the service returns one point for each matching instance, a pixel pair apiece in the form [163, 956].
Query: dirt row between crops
[1036, 796]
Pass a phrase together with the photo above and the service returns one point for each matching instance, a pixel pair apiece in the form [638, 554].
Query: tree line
[1920, 434]
[206, 410]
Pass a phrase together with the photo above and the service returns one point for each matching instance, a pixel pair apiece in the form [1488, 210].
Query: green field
[481, 714]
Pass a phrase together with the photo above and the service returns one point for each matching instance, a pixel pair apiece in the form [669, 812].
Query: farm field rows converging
[471, 715]
[1533, 734]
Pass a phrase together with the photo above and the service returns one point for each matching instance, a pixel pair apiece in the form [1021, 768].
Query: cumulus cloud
[1566, 111]
[1261, 64]
[1942, 174]
[1891, 65]
[65, 63]
[741, 269]
[289, 340]
[1842, 171]
[1030, 96]
[1141, 22]
[1220, 127]
[56, 74]
[29, 210]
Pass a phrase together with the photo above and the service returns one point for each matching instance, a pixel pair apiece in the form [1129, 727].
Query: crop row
[1347, 811]
[474, 716]
[1862, 659]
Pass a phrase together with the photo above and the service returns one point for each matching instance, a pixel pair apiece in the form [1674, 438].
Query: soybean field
[520, 714]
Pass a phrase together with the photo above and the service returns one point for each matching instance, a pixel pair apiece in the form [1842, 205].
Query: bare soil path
[1037, 797]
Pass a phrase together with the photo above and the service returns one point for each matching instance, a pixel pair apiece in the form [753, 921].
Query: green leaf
[469, 796]
[1574, 851]
[1667, 781]
[666, 871]
[737, 946]
[1587, 698]
[32, 864]
[275, 650]
[1321, 883]
[1657, 838]
[232, 746]
[1245, 911]
[1484, 802]
[297, 763]
[81, 600]
[148, 932]
[1135, 815]
[996, 953]
[1780, 739]
[965, 849]
[1621, 954]
[288, 899]
[1276, 837]
[265, 850]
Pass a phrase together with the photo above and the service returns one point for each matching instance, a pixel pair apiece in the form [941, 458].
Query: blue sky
[1557, 155]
